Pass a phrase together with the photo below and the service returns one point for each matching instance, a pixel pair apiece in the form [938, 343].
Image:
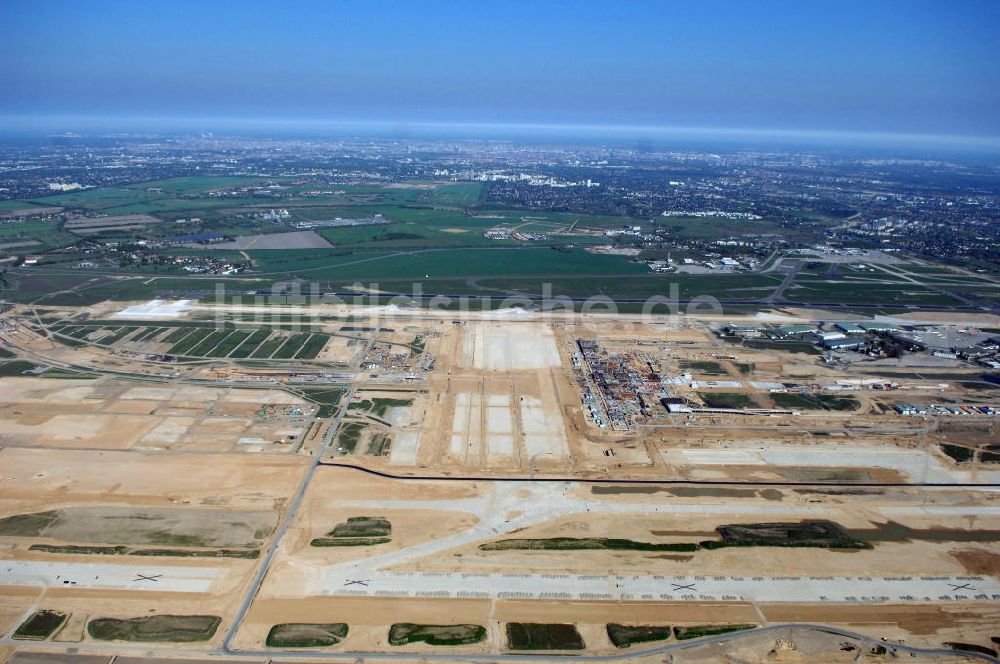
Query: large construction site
[196, 481]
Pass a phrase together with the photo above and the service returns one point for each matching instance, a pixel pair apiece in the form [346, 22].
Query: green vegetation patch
[801, 347]
[808, 533]
[725, 399]
[623, 636]
[351, 541]
[16, 368]
[814, 402]
[291, 347]
[190, 341]
[311, 348]
[698, 631]
[246, 554]
[205, 346]
[40, 625]
[326, 398]
[348, 437]
[250, 344]
[379, 406]
[585, 543]
[27, 525]
[543, 636]
[269, 346]
[178, 629]
[357, 531]
[362, 526]
[401, 634]
[228, 344]
[306, 635]
[708, 368]
[80, 549]
[957, 452]
[814, 533]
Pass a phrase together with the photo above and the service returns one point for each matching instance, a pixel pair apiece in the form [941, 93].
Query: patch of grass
[40, 625]
[228, 344]
[379, 406]
[357, 531]
[349, 436]
[177, 629]
[362, 526]
[250, 344]
[202, 348]
[698, 631]
[311, 348]
[190, 341]
[623, 636]
[16, 367]
[809, 533]
[956, 452]
[704, 367]
[291, 347]
[268, 347]
[725, 399]
[543, 636]
[831, 402]
[176, 539]
[585, 543]
[81, 549]
[401, 634]
[246, 554]
[306, 635]
[813, 402]
[352, 541]
[800, 347]
[327, 400]
[971, 647]
[27, 525]
[177, 335]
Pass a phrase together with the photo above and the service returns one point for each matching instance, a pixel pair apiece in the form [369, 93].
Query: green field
[306, 635]
[434, 238]
[291, 346]
[624, 636]
[814, 402]
[250, 344]
[699, 631]
[400, 634]
[40, 625]
[165, 628]
[543, 636]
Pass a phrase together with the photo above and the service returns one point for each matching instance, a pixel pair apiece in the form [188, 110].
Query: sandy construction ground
[37, 479]
[506, 347]
[492, 395]
[115, 414]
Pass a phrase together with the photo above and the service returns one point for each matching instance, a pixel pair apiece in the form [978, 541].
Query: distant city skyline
[892, 71]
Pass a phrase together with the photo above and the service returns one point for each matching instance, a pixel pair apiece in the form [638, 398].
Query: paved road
[293, 508]
[794, 267]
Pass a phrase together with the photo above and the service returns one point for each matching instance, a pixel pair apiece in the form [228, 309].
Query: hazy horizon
[891, 70]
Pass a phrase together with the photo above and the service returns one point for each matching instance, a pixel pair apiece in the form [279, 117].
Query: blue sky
[882, 66]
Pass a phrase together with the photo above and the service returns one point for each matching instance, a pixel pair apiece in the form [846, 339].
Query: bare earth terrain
[478, 475]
